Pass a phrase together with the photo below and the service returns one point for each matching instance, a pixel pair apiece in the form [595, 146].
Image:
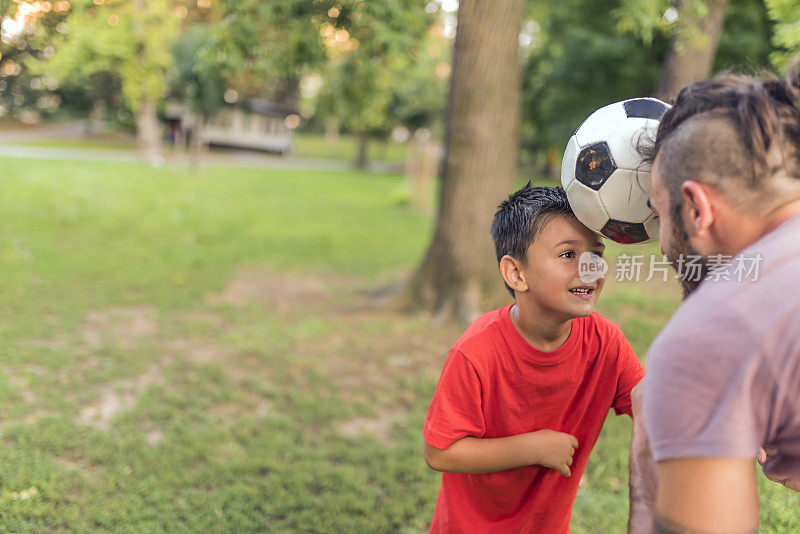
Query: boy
[525, 391]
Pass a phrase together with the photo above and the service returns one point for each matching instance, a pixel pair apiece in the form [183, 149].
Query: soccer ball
[603, 174]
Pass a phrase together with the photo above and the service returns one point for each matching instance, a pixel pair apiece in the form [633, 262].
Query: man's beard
[682, 248]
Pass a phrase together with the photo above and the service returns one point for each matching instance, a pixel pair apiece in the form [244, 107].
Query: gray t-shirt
[723, 376]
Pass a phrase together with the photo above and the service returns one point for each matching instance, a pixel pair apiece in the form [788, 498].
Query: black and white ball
[602, 171]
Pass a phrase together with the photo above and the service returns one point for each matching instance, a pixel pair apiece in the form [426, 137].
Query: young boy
[525, 390]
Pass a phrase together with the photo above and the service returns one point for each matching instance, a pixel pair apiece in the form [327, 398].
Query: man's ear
[698, 213]
[512, 274]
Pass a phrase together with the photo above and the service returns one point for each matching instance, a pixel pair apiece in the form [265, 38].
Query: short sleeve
[630, 373]
[707, 391]
[455, 411]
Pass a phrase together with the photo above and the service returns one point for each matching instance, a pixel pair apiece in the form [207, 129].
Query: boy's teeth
[581, 291]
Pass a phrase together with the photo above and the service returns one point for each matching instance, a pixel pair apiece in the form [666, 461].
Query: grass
[206, 353]
[314, 146]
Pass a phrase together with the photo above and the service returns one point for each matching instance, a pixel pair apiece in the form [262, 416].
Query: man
[724, 373]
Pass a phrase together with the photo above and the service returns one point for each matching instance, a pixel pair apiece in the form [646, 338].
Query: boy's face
[551, 270]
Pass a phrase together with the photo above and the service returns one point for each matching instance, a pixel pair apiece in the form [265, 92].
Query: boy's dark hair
[520, 219]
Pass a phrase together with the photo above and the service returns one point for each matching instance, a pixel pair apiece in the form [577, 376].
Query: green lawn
[209, 353]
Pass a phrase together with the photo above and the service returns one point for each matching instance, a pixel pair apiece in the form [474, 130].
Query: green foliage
[647, 17]
[745, 41]
[154, 27]
[582, 63]
[21, 89]
[420, 92]
[786, 14]
[202, 69]
[589, 55]
[127, 39]
[386, 74]
[370, 55]
[271, 44]
[644, 18]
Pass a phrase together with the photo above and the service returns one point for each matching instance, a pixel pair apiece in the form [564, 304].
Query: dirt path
[75, 131]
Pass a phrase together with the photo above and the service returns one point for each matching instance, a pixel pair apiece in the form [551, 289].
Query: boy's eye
[568, 254]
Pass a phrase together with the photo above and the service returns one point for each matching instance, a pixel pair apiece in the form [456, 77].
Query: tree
[458, 272]
[586, 55]
[582, 60]
[204, 63]
[128, 39]
[365, 51]
[374, 54]
[277, 42]
[694, 45]
[786, 39]
[26, 32]
[745, 41]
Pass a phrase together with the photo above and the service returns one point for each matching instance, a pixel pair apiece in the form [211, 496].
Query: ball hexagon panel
[568, 163]
[599, 124]
[624, 145]
[625, 232]
[586, 205]
[594, 165]
[646, 108]
[624, 197]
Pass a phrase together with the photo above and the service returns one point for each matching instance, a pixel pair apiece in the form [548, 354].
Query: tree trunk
[361, 155]
[331, 130]
[459, 274]
[286, 92]
[179, 145]
[148, 133]
[694, 45]
[197, 142]
[423, 156]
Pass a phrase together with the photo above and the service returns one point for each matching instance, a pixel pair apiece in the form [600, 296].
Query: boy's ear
[512, 274]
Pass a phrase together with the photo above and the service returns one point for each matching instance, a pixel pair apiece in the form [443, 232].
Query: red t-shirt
[495, 384]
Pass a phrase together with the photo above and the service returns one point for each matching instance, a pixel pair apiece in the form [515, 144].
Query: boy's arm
[472, 455]
[631, 373]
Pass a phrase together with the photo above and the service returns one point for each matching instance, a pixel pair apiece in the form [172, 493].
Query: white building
[252, 124]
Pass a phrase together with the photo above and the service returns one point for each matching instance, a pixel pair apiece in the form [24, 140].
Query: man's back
[725, 372]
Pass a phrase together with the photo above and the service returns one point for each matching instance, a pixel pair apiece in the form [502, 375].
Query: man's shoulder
[706, 325]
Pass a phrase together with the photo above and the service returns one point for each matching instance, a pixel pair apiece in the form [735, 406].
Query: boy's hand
[554, 450]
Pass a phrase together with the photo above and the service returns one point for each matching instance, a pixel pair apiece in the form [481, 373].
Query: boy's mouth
[582, 292]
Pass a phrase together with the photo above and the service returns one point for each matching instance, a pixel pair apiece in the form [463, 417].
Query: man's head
[726, 157]
[538, 242]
